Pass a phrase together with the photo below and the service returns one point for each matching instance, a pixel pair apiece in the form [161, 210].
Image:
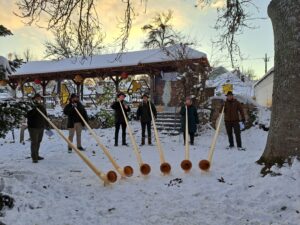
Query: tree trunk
[283, 141]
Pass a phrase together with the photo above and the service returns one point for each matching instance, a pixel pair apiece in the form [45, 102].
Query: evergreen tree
[4, 31]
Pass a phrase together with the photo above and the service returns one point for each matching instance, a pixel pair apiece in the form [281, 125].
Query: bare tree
[231, 22]
[66, 44]
[27, 55]
[73, 18]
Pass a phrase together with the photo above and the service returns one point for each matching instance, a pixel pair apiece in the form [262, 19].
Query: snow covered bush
[105, 117]
[11, 115]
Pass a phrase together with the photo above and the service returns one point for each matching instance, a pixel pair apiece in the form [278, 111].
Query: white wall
[264, 90]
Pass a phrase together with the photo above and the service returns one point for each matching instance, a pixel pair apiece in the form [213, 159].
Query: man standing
[36, 124]
[119, 118]
[144, 115]
[232, 109]
[193, 119]
[75, 123]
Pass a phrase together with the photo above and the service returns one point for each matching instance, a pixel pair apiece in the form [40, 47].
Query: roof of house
[106, 61]
[270, 72]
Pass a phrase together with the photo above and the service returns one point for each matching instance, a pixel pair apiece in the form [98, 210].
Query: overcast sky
[192, 21]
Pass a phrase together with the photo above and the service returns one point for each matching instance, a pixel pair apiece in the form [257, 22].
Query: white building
[263, 89]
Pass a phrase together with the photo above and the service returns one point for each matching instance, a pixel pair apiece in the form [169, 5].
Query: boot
[149, 141]
[116, 141]
[124, 139]
[143, 141]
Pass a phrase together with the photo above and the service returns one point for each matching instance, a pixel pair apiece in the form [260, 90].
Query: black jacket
[192, 118]
[119, 118]
[35, 119]
[73, 116]
[143, 113]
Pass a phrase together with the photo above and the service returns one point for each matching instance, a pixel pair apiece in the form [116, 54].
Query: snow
[105, 61]
[5, 67]
[239, 87]
[61, 190]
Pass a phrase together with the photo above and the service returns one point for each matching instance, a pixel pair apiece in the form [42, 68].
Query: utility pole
[266, 60]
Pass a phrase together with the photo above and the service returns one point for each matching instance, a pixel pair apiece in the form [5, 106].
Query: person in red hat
[36, 124]
[119, 117]
[232, 113]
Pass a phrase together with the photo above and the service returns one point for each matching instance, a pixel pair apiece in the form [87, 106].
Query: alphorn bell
[127, 170]
[145, 169]
[206, 164]
[165, 167]
[110, 177]
[186, 164]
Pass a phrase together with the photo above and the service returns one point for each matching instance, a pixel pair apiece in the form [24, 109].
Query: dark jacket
[143, 113]
[192, 118]
[73, 116]
[232, 110]
[35, 119]
[119, 118]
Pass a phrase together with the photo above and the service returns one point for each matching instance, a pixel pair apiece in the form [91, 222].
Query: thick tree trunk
[283, 142]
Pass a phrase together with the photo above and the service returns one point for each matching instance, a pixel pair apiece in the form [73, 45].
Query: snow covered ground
[61, 190]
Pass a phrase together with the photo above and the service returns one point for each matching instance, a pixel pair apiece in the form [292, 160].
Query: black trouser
[117, 126]
[148, 124]
[36, 136]
[236, 127]
[192, 136]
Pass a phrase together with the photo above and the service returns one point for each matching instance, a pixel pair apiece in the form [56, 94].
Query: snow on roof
[239, 87]
[107, 61]
[270, 72]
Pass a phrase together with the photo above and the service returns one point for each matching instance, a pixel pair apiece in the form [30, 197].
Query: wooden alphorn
[165, 167]
[127, 170]
[111, 176]
[144, 168]
[206, 164]
[186, 164]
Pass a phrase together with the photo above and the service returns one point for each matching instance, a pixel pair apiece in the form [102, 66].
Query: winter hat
[121, 93]
[73, 96]
[145, 95]
[229, 93]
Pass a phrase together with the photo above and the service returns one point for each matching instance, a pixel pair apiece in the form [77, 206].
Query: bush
[105, 117]
[11, 115]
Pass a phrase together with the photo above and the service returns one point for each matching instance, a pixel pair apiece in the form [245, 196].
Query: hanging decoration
[37, 81]
[124, 75]
[78, 79]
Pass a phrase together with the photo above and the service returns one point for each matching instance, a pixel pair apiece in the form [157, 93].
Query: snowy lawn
[62, 190]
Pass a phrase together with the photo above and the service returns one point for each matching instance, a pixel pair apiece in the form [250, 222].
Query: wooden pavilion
[153, 62]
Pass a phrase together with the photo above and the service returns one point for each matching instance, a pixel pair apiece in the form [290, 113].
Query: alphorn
[165, 167]
[186, 164]
[145, 169]
[127, 170]
[206, 164]
[110, 177]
